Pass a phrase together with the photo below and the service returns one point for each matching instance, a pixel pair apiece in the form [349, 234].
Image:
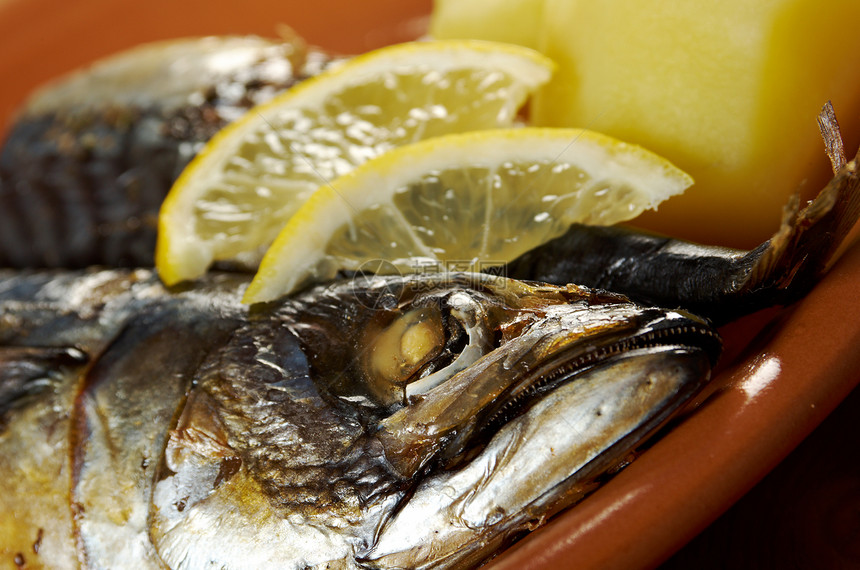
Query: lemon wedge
[232, 200]
[464, 202]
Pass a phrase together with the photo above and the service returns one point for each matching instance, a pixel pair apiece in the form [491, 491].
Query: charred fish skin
[87, 164]
[652, 268]
[122, 416]
[262, 455]
[34, 492]
[266, 447]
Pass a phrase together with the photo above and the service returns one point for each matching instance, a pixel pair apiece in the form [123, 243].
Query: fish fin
[830, 132]
[805, 246]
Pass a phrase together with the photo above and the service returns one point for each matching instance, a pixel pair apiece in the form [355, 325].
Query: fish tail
[809, 239]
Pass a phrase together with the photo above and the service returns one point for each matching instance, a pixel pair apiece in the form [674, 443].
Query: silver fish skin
[180, 429]
[458, 518]
[91, 373]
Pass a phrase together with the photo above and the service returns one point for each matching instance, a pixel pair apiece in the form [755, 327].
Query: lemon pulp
[464, 202]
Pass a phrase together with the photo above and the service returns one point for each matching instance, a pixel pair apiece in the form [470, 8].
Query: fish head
[441, 362]
[498, 402]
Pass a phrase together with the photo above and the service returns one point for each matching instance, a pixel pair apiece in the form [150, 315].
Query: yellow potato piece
[729, 91]
[514, 21]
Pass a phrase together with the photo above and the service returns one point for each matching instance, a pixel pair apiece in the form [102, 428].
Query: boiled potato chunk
[513, 21]
[729, 91]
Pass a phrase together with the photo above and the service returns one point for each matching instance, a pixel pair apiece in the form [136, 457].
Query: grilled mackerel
[373, 423]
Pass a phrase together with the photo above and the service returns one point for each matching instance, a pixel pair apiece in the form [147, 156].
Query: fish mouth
[666, 331]
[455, 420]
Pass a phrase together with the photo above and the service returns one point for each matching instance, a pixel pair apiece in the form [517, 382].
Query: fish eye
[404, 346]
[420, 348]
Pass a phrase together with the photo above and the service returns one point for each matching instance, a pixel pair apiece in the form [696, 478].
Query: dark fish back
[81, 183]
[78, 191]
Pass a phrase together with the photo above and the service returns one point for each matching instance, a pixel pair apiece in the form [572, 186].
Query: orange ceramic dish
[783, 372]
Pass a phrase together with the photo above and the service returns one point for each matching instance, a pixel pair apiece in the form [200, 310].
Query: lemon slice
[464, 202]
[232, 200]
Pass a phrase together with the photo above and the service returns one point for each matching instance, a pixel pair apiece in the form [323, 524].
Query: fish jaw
[560, 341]
[545, 460]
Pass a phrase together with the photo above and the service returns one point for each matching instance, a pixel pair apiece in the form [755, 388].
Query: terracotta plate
[784, 371]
